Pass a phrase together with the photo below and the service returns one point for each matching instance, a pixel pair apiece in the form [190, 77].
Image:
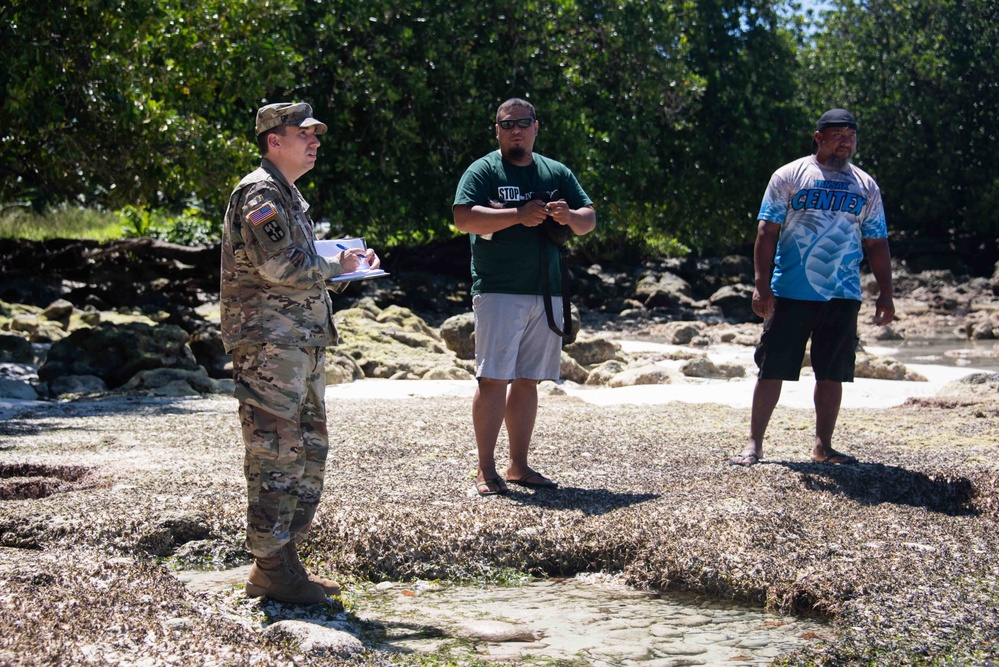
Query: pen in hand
[343, 247]
[360, 258]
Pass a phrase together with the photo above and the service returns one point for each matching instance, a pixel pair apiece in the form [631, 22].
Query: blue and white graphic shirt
[824, 215]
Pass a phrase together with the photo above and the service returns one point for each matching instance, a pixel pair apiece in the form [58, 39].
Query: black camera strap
[565, 333]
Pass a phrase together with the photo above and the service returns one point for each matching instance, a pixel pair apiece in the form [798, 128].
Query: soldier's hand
[350, 259]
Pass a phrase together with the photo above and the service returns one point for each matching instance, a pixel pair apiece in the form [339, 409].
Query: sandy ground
[735, 393]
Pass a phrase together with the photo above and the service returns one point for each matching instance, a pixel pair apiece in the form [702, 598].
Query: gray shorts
[512, 338]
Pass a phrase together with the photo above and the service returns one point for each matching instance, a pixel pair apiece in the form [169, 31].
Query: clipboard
[358, 275]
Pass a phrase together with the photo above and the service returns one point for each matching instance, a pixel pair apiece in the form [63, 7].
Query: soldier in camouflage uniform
[277, 320]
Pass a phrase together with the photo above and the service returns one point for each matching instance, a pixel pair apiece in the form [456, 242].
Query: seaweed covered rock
[394, 343]
[15, 349]
[115, 353]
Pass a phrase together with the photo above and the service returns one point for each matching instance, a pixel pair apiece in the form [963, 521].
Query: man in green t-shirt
[501, 201]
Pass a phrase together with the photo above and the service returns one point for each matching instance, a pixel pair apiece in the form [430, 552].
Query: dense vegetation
[672, 114]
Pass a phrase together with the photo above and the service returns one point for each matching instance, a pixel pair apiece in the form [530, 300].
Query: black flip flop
[484, 490]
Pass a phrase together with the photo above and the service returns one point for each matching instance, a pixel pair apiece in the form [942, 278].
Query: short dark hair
[515, 102]
[262, 138]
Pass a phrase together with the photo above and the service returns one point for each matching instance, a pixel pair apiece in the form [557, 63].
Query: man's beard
[516, 153]
[836, 162]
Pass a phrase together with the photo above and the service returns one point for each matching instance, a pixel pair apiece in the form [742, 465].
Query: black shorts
[832, 326]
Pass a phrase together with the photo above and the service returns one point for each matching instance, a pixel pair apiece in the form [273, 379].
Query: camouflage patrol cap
[298, 114]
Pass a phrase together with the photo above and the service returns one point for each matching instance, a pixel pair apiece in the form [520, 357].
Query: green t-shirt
[509, 261]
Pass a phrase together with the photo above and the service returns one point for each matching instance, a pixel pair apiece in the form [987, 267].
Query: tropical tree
[922, 76]
[672, 114]
[115, 102]
[745, 124]
[663, 109]
[412, 92]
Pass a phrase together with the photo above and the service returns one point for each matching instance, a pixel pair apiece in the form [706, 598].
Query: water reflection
[943, 349]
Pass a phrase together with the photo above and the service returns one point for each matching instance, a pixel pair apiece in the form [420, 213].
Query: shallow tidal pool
[591, 618]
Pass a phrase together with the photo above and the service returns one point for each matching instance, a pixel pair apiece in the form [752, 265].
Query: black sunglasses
[519, 122]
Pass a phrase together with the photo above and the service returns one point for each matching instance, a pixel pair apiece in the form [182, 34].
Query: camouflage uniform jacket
[273, 281]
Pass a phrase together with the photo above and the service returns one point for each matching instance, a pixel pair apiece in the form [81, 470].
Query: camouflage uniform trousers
[282, 411]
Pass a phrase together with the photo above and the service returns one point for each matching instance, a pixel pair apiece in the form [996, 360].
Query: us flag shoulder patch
[262, 214]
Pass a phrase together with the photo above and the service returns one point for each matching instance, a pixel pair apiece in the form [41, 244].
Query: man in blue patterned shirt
[819, 216]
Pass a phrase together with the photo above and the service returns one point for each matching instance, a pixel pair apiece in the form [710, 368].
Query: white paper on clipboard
[333, 247]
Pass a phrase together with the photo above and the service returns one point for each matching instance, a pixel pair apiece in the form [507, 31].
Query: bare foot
[834, 457]
[745, 460]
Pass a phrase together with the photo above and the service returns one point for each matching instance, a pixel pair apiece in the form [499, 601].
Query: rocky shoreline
[141, 317]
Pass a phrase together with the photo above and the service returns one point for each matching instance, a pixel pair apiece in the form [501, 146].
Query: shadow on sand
[876, 483]
[592, 502]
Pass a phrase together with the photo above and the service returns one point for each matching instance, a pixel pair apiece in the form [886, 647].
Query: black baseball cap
[834, 118]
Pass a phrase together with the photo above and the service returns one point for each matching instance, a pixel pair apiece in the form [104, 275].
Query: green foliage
[745, 124]
[138, 222]
[188, 228]
[628, 95]
[628, 61]
[62, 222]
[922, 77]
[114, 102]
[150, 104]
[672, 115]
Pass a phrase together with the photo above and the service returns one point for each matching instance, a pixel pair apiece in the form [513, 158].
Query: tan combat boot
[330, 586]
[277, 578]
